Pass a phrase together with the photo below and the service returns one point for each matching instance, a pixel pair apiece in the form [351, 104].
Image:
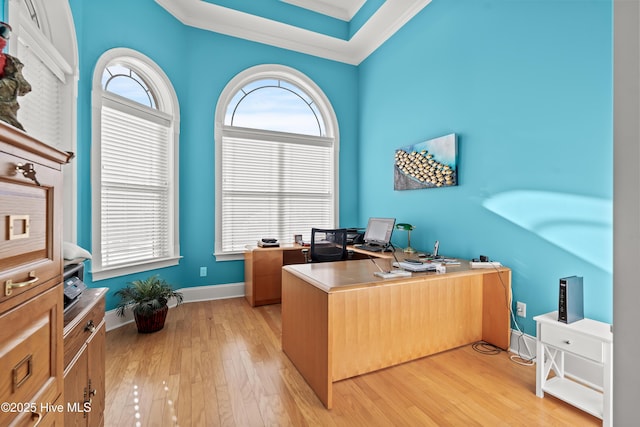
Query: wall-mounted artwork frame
[428, 164]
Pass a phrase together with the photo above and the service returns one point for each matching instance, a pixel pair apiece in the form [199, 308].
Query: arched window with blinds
[276, 159]
[134, 166]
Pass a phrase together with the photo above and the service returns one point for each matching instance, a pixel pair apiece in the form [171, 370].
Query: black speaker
[570, 301]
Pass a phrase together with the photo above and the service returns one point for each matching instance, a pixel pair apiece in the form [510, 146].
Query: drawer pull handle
[15, 229]
[91, 328]
[28, 172]
[17, 382]
[567, 342]
[9, 285]
[34, 415]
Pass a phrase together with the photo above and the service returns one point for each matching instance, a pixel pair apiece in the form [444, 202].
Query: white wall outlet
[203, 271]
[521, 309]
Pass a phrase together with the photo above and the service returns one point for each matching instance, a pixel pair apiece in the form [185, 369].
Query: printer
[73, 284]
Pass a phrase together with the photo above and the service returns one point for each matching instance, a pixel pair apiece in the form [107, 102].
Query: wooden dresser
[31, 303]
[84, 359]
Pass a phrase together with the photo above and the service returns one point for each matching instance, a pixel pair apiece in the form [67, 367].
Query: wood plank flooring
[220, 363]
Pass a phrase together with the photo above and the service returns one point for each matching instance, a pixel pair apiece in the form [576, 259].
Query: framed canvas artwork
[427, 164]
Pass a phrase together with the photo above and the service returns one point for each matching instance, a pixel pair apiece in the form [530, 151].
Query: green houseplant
[148, 300]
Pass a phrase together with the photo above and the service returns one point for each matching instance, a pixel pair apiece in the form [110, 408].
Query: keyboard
[372, 248]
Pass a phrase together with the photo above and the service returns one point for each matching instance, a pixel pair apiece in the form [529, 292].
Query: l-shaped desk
[339, 320]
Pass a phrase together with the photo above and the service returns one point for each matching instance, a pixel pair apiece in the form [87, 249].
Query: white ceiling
[388, 19]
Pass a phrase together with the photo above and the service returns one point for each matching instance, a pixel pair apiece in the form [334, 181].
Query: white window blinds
[135, 175]
[40, 110]
[274, 185]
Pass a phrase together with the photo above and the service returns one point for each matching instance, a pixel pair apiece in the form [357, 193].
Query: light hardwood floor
[221, 363]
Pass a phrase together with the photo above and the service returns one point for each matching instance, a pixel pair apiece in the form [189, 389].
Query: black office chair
[327, 245]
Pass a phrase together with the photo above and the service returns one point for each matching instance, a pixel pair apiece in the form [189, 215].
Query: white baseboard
[523, 345]
[195, 294]
[575, 367]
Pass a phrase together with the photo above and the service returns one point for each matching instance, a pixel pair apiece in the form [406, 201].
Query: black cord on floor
[484, 347]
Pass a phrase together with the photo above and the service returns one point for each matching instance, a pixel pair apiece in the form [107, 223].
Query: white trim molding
[345, 11]
[388, 19]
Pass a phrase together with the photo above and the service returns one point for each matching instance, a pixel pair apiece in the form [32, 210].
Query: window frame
[261, 72]
[168, 107]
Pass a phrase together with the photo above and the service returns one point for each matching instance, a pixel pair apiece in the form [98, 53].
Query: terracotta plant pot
[153, 322]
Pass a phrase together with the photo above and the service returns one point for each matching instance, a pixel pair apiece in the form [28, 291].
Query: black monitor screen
[379, 230]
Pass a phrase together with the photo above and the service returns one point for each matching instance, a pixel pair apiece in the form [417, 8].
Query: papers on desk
[392, 274]
[412, 266]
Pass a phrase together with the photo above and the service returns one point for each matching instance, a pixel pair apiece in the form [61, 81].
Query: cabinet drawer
[31, 352]
[574, 342]
[80, 332]
[30, 250]
[51, 415]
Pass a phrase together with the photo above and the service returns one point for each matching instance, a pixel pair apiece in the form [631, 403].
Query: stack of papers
[392, 274]
[412, 266]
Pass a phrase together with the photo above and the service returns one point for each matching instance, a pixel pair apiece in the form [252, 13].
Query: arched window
[134, 166]
[294, 112]
[276, 159]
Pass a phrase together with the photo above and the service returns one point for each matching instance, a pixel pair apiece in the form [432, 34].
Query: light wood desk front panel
[382, 326]
[339, 321]
[305, 333]
[496, 300]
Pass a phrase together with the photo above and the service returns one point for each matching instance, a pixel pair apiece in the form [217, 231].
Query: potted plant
[148, 299]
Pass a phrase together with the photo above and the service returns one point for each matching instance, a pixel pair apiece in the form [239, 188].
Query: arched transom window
[276, 159]
[275, 105]
[125, 82]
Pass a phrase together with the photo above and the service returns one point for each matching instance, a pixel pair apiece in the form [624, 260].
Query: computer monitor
[379, 231]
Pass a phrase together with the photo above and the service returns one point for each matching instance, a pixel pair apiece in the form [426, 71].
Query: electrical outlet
[203, 271]
[521, 309]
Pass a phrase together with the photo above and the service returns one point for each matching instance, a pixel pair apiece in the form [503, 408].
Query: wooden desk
[339, 320]
[263, 270]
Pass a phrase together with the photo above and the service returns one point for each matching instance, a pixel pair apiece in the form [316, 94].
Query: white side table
[586, 338]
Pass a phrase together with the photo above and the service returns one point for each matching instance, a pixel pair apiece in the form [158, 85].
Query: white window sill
[134, 268]
[233, 256]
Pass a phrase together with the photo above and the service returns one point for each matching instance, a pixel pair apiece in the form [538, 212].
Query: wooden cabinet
[31, 355]
[31, 307]
[48, 416]
[84, 360]
[591, 341]
[263, 271]
[262, 275]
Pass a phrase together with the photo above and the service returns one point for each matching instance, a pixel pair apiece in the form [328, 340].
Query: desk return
[263, 271]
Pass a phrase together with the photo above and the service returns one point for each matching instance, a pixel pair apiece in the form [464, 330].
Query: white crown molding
[345, 12]
[388, 19]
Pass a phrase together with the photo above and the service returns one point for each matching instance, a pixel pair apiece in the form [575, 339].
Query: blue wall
[527, 87]
[199, 64]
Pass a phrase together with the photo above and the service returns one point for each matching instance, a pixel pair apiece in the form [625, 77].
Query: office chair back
[328, 244]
